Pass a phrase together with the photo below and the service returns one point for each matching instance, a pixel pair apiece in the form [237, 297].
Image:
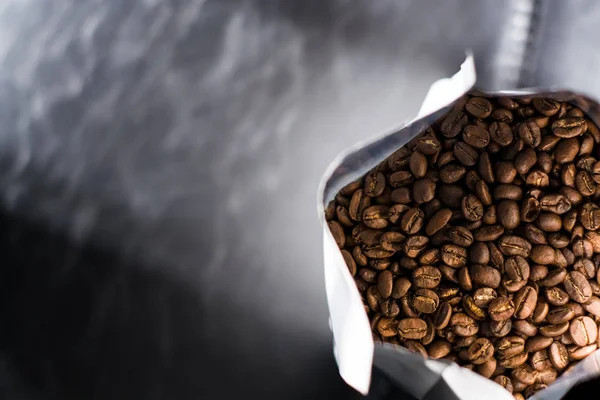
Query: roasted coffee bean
[525, 160]
[569, 127]
[415, 245]
[505, 382]
[349, 262]
[412, 328]
[559, 356]
[500, 328]
[479, 253]
[454, 123]
[418, 164]
[460, 236]
[547, 107]
[338, 233]
[508, 214]
[488, 233]
[501, 308]
[538, 272]
[426, 277]
[389, 308]
[577, 287]
[480, 351]
[585, 184]
[439, 348]
[412, 221]
[530, 133]
[374, 184]
[514, 246]
[464, 325]
[375, 217]
[537, 343]
[525, 301]
[555, 277]
[400, 287]
[559, 315]
[483, 296]
[425, 301]
[479, 107]
[453, 255]
[466, 154]
[592, 306]
[541, 310]
[554, 330]
[451, 195]
[485, 276]
[472, 309]
[526, 374]
[476, 136]
[583, 330]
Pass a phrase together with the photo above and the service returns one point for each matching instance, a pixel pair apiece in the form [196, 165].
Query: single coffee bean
[385, 283]
[485, 275]
[472, 208]
[569, 127]
[424, 190]
[542, 254]
[525, 160]
[513, 361]
[415, 347]
[412, 221]
[549, 222]
[401, 179]
[401, 195]
[441, 317]
[476, 136]
[555, 277]
[438, 221]
[389, 308]
[487, 368]
[359, 256]
[577, 287]
[541, 310]
[526, 374]
[585, 184]
[428, 144]
[400, 287]
[454, 123]
[559, 356]
[426, 277]
[525, 301]
[501, 308]
[508, 191]
[488, 233]
[460, 236]
[558, 240]
[439, 348]
[452, 173]
[538, 272]
[448, 273]
[530, 133]
[483, 296]
[412, 328]
[392, 241]
[425, 301]
[375, 217]
[350, 263]
[500, 328]
[418, 164]
[479, 107]
[464, 325]
[592, 306]
[538, 343]
[387, 327]
[483, 193]
[509, 214]
[590, 216]
[415, 245]
[583, 330]
[535, 235]
[560, 315]
[514, 246]
[556, 296]
[464, 279]
[479, 253]
[399, 160]
[566, 150]
[453, 255]
[480, 351]
[466, 154]
[547, 107]
[555, 203]
[554, 330]
[451, 195]
[338, 233]
[577, 353]
[472, 309]
[374, 184]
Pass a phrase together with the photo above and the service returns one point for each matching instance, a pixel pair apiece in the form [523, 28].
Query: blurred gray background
[159, 163]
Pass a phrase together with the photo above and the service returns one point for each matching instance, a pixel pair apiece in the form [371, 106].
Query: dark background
[159, 163]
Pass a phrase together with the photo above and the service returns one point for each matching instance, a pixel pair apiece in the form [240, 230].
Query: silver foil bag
[355, 351]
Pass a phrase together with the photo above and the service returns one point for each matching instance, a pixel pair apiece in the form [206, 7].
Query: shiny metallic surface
[159, 171]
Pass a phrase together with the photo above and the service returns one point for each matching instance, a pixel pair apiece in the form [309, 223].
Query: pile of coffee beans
[479, 240]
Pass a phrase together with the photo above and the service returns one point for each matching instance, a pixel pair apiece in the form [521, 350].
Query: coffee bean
[556, 296]
[486, 169]
[585, 184]
[454, 123]
[400, 288]
[412, 328]
[426, 277]
[376, 216]
[479, 253]
[530, 133]
[374, 184]
[547, 107]
[577, 353]
[415, 245]
[349, 262]
[560, 315]
[487, 368]
[541, 310]
[505, 382]
[338, 233]
[401, 179]
[538, 343]
[418, 164]
[525, 301]
[583, 330]
[358, 203]
[559, 356]
[465, 153]
[577, 287]
[554, 330]
[509, 214]
[439, 348]
[592, 306]
[452, 173]
[428, 144]
[476, 136]
[501, 133]
[460, 236]
[463, 325]
[424, 190]
[500, 328]
[514, 246]
[555, 277]
[569, 127]
[472, 309]
[527, 374]
[451, 195]
[480, 351]
[501, 308]
[389, 308]
[485, 275]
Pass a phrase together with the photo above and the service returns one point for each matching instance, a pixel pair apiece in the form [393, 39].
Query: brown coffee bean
[501, 133]
[590, 216]
[505, 382]
[359, 256]
[508, 192]
[454, 123]
[453, 255]
[401, 179]
[451, 195]
[415, 245]
[425, 301]
[558, 240]
[375, 217]
[442, 316]
[524, 328]
[514, 246]
[415, 347]
[488, 233]
[560, 315]
[407, 308]
[385, 283]
[479, 253]
[412, 221]
[556, 296]
[480, 351]
[526, 374]
[555, 277]
[374, 184]
[585, 184]
[412, 328]
[501, 308]
[549, 222]
[509, 214]
[392, 241]
[566, 150]
[530, 133]
[350, 263]
[338, 233]
[418, 164]
[577, 287]
[439, 348]
[554, 330]
[537, 343]
[479, 107]
[486, 169]
[400, 287]
[583, 330]
[465, 153]
[428, 144]
[559, 356]
[500, 328]
[401, 195]
[389, 308]
[525, 160]
[476, 136]
[535, 235]
[424, 190]
[525, 301]
[538, 273]
[387, 327]
[513, 361]
[487, 368]
[463, 325]
[542, 254]
[547, 107]
[460, 236]
[577, 353]
[485, 275]
[569, 127]
[592, 306]
[472, 309]
[483, 296]
[541, 310]
[555, 203]
[452, 173]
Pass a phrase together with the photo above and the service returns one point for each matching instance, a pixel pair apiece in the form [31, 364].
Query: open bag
[356, 353]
